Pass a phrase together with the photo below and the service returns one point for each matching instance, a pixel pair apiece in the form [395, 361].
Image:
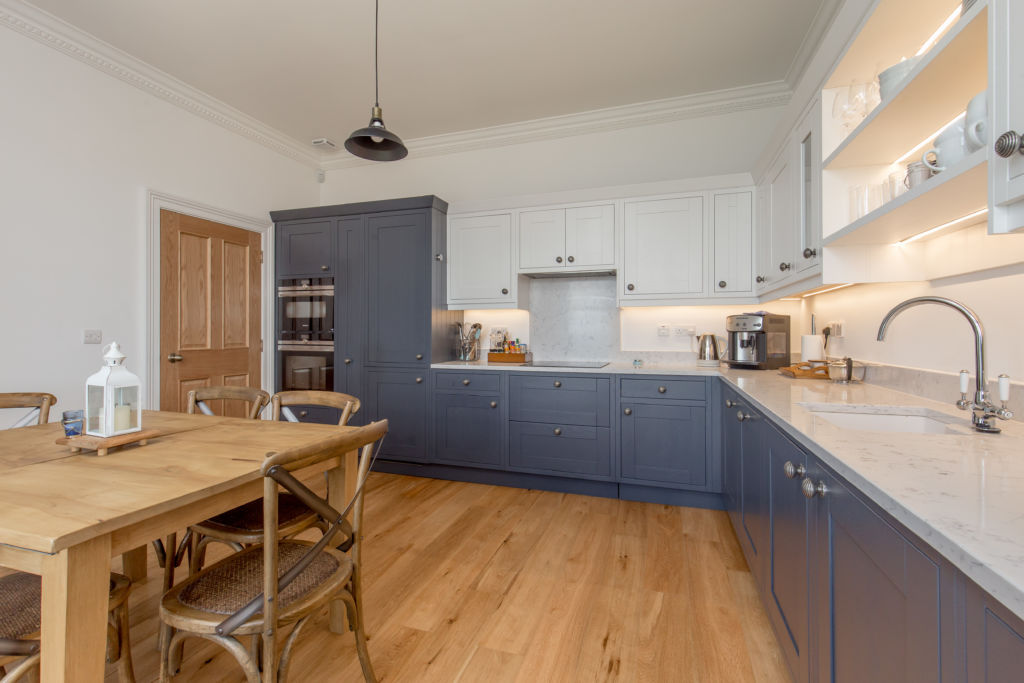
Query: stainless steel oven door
[305, 367]
[306, 310]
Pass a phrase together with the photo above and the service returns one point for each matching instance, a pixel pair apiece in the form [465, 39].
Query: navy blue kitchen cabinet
[732, 445]
[560, 449]
[570, 399]
[877, 596]
[400, 397]
[469, 429]
[305, 248]
[398, 291]
[663, 442]
[787, 578]
[350, 310]
[994, 642]
[753, 532]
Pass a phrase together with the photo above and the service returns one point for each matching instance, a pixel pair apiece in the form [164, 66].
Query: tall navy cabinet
[391, 322]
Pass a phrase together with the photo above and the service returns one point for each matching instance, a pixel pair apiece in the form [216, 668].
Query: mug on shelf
[917, 173]
[950, 147]
[975, 124]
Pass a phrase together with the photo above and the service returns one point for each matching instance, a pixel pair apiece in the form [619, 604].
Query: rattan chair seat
[20, 599]
[248, 518]
[226, 586]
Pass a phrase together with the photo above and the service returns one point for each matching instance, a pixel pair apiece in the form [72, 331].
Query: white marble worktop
[963, 492]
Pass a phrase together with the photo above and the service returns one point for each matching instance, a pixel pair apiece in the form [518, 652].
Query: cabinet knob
[557, 384]
[494, 404]
[558, 431]
[303, 413]
[760, 279]
[810, 489]
[1009, 143]
[465, 382]
[785, 266]
[558, 259]
[504, 290]
[419, 356]
[662, 390]
[793, 471]
[810, 253]
[630, 287]
[325, 267]
[348, 361]
[627, 411]
[741, 416]
[729, 403]
[572, 259]
[439, 258]
[722, 283]
[419, 380]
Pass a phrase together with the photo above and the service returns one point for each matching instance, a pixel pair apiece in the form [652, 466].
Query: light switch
[92, 336]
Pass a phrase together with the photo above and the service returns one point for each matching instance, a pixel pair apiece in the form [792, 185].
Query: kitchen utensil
[708, 352]
[976, 121]
[917, 173]
[949, 148]
[845, 370]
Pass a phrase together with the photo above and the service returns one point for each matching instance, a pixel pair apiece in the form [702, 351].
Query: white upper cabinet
[572, 239]
[807, 143]
[1006, 174]
[664, 249]
[763, 239]
[590, 237]
[784, 233]
[480, 260]
[732, 234]
[541, 240]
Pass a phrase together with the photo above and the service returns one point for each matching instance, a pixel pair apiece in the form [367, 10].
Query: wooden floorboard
[467, 583]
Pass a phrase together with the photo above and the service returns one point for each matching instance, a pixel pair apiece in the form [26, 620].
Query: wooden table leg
[341, 486]
[133, 563]
[76, 590]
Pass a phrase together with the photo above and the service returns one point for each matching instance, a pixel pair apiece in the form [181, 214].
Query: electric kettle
[708, 353]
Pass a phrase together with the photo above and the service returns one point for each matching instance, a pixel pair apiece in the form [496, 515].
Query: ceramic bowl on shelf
[892, 78]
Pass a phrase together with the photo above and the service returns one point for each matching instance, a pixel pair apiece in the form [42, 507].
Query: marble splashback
[574, 318]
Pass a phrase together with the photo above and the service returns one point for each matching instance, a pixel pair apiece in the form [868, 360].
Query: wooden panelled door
[209, 309]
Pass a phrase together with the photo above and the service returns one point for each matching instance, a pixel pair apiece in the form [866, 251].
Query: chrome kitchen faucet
[983, 410]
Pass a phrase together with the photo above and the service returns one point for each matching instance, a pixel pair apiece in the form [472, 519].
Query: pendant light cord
[376, 39]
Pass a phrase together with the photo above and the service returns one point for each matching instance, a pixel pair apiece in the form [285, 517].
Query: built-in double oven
[305, 341]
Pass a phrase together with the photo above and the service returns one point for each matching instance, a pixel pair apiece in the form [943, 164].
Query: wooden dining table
[63, 516]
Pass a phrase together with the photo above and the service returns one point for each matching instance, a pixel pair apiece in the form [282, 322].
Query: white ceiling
[305, 67]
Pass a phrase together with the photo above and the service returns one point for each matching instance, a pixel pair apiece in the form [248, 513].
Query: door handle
[175, 358]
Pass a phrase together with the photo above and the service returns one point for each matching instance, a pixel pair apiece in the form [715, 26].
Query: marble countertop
[961, 492]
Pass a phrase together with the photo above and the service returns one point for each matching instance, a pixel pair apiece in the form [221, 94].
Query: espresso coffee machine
[757, 341]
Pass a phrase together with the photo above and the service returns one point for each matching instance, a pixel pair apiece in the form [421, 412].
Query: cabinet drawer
[564, 449]
[679, 389]
[315, 414]
[552, 399]
[476, 382]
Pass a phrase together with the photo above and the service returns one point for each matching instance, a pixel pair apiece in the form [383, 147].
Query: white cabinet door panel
[1006, 176]
[480, 258]
[542, 240]
[664, 248]
[784, 220]
[590, 237]
[733, 235]
[763, 240]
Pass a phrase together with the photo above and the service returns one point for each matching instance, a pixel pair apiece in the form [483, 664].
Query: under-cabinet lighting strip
[830, 289]
[928, 140]
[938, 32]
[914, 238]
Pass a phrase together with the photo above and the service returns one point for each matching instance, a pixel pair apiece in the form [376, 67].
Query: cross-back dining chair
[282, 402]
[20, 600]
[281, 582]
[39, 405]
[198, 399]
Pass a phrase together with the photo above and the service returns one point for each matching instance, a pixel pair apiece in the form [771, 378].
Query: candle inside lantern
[122, 418]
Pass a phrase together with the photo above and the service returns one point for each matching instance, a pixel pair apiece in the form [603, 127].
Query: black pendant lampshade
[375, 142]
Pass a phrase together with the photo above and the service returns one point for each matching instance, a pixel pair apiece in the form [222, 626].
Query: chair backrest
[277, 473]
[256, 398]
[35, 401]
[348, 405]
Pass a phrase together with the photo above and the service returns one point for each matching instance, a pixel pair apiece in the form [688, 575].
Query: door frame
[157, 201]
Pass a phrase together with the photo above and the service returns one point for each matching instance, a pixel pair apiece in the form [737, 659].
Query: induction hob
[568, 363]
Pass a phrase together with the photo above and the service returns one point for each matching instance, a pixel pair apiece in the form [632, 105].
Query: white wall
[706, 146]
[79, 150]
[931, 337]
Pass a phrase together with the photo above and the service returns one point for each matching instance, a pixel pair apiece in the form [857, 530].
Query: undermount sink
[903, 419]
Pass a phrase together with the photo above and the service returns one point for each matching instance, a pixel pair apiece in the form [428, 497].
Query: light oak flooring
[467, 582]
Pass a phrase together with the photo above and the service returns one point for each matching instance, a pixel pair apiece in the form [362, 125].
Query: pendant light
[375, 142]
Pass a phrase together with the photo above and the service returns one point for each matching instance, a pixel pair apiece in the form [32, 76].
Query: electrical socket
[662, 329]
[836, 328]
[92, 336]
[681, 330]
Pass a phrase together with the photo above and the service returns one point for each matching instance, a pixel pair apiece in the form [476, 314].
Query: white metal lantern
[112, 397]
